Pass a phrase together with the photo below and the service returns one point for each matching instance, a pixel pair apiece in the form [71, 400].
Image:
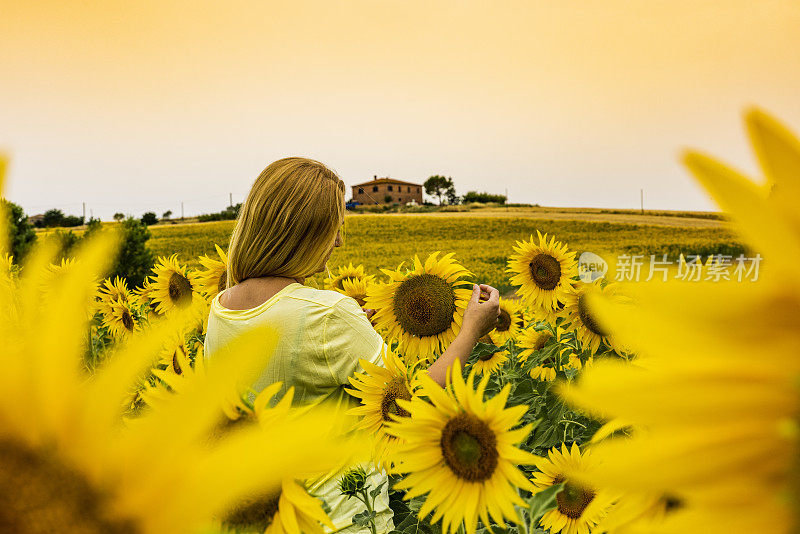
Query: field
[482, 241]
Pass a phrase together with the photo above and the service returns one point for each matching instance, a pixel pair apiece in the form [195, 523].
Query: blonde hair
[288, 223]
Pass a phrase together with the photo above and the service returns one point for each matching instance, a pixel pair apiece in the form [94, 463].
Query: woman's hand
[482, 312]
[370, 312]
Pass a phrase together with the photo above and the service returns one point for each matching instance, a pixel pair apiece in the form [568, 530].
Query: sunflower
[490, 363]
[214, 279]
[461, 451]
[110, 291]
[174, 355]
[557, 357]
[578, 315]
[379, 389]
[545, 271]
[119, 318]
[579, 507]
[531, 341]
[422, 307]
[336, 281]
[288, 510]
[68, 463]
[172, 286]
[509, 323]
[357, 288]
[721, 433]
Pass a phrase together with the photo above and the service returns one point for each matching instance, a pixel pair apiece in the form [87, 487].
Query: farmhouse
[387, 191]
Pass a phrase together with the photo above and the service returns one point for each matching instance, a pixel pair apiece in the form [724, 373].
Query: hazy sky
[135, 106]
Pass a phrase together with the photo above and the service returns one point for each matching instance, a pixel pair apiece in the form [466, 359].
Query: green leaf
[540, 503]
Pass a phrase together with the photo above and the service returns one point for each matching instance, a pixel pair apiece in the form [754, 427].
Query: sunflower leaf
[541, 502]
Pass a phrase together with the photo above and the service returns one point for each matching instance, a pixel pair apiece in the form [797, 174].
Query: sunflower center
[487, 357]
[545, 271]
[424, 305]
[222, 284]
[395, 389]
[572, 500]
[586, 318]
[503, 322]
[253, 514]
[39, 494]
[541, 339]
[180, 290]
[127, 320]
[469, 448]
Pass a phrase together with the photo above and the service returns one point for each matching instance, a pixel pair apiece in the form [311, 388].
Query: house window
[360, 190]
[390, 188]
[400, 199]
[409, 188]
[374, 188]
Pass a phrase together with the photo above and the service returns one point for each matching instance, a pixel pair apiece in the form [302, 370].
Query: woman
[286, 231]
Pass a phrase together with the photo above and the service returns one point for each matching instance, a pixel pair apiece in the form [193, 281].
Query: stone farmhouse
[382, 191]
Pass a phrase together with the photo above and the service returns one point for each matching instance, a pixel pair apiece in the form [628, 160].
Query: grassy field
[480, 242]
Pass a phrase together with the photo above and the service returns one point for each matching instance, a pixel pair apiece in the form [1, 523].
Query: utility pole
[84, 213]
[506, 199]
[231, 199]
[181, 210]
[641, 199]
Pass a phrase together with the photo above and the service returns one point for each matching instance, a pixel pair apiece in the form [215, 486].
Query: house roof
[385, 181]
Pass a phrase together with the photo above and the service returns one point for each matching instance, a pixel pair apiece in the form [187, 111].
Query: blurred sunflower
[422, 307]
[336, 279]
[214, 279]
[722, 434]
[68, 464]
[578, 315]
[356, 288]
[461, 451]
[545, 271]
[120, 318]
[490, 363]
[579, 507]
[173, 286]
[379, 389]
[509, 323]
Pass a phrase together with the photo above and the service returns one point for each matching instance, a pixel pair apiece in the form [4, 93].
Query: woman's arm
[480, 318]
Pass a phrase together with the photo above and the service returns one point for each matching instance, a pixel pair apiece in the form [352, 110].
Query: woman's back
[321, 335]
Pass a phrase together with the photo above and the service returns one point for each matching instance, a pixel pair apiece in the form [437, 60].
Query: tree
[167, 214]
[388, 199]
[440, 187]
[149, 218]
[134, 260]
[53, 217]
[22, 234]
[119, 216]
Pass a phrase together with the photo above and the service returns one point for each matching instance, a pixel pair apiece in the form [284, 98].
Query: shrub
[22, 234]
[483, 198]
[149, 218]
[119, 216]
[228, 214]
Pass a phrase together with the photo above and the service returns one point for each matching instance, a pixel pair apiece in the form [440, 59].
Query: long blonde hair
[288, 223]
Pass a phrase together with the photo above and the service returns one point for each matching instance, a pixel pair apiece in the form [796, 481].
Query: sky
[141, 106]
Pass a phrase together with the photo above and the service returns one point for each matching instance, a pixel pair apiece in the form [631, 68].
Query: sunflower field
[592, 407]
